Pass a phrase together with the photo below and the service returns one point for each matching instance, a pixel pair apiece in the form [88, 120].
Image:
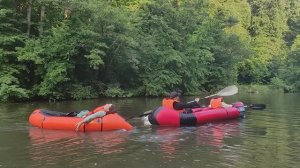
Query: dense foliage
[79, 49]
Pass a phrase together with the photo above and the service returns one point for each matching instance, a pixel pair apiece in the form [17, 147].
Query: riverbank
[256, 89]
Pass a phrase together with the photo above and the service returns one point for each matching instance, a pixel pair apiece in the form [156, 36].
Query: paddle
[256, 106]
[228, 91]
[252, 106]
[142, 115]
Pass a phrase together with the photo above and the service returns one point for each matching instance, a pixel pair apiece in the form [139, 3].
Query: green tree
[160, 59]
[268, 26]
[290, 73]
[10, 70]
[88, 49]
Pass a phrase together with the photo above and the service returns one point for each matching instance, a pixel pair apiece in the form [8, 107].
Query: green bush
[12, 92]
[80, 92]
[116, 91]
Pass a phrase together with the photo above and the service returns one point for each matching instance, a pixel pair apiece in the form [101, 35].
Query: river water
[265, 138]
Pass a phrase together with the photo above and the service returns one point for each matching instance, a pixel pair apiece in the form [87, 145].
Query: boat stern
[241, 108]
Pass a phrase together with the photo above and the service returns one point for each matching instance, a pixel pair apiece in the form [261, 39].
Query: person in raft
[107, 109]
[173, 102]
[218, 102]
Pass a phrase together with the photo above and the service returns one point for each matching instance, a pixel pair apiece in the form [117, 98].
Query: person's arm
[93, 116]
[181, 106]
[226, 105]
[78, 125]
[90, 118]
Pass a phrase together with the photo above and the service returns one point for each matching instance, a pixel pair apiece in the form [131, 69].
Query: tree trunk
[67, 12]
[43, 8]
[29, 10]
[176, 4]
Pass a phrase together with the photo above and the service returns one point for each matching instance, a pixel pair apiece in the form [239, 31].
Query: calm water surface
[265, 138]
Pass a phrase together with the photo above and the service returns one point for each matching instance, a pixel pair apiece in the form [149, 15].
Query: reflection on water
[173, 142]
[49, 146]
[215, 134]
[167, 139]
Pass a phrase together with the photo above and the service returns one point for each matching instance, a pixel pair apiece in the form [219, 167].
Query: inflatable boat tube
[163, 116]
[54, 120]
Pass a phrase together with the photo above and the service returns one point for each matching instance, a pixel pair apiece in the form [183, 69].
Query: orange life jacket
[167, 102]
[216, 103]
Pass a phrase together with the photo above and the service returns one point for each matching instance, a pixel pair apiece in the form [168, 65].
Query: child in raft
[107, 109]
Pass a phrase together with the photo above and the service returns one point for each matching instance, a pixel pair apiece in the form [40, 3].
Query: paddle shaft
[142, 115]
[256, 106]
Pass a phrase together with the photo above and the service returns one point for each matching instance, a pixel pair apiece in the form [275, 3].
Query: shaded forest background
[80, 49]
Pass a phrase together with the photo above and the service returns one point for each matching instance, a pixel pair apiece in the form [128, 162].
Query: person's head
[218, 97]
[109, 108]
[174, 95]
